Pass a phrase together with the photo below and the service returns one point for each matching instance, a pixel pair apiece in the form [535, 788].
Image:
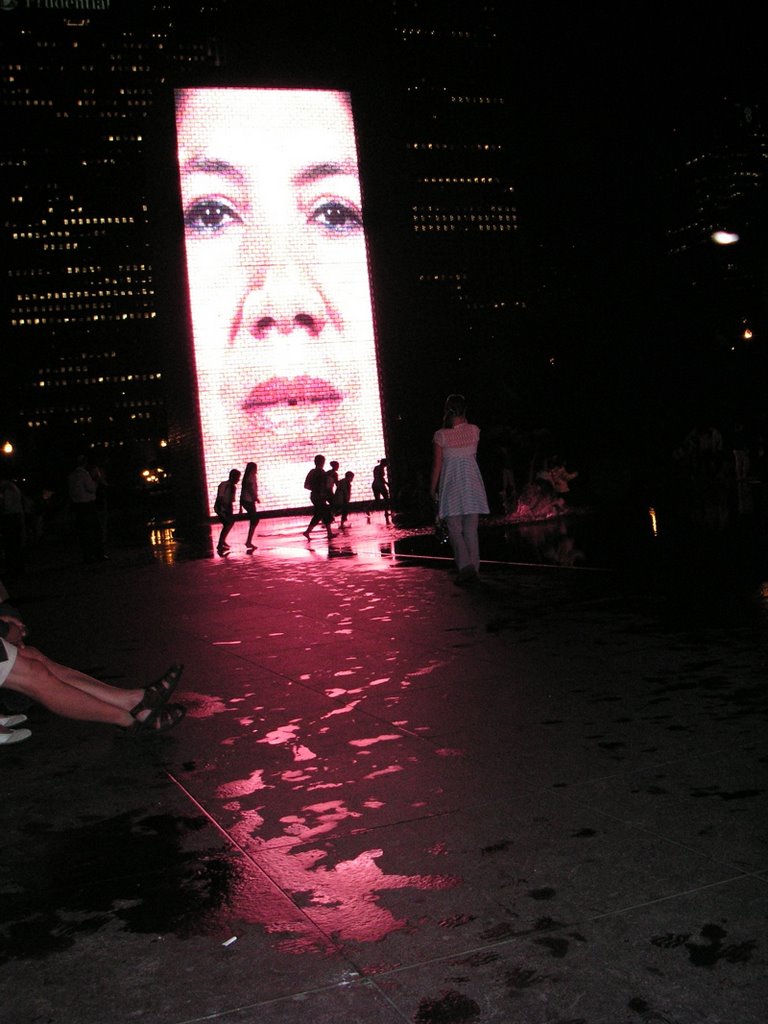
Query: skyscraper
[83, 334]
[715, 220]
[92, 295]
[462, 309]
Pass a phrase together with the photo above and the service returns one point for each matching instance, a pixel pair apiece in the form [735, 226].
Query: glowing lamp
[724, 237]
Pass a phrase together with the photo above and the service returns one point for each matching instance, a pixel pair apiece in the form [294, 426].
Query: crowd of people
[456, 488]
[329, 493]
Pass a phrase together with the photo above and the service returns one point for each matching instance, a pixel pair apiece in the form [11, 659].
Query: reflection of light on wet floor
[384, 771]
[367, 542]
[375, 739]
[339, 897]
[341, 711]
[316, 783]
[284, 734]
[202, 705]
[242, 787]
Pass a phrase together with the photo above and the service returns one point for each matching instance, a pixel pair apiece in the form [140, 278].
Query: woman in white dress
[457, 486]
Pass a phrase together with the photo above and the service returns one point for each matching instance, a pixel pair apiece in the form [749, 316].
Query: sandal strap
[159, 719]
[157, 693]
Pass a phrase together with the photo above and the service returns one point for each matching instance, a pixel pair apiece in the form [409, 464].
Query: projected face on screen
[278, 284]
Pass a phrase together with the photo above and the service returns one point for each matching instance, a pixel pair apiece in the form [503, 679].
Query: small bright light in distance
[724, 237]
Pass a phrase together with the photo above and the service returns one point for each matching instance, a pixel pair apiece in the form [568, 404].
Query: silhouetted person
[342, 497]
[82, 495]
[102, 505]
[333, 477]
[224, 507]
[317, 483]
[12, 527]
[380, 487]
[249, 498]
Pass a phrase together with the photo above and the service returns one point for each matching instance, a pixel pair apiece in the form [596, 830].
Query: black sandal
[159, 719]
[157, 693]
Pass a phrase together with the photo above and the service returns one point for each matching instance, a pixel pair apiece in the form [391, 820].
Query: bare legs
[73, 694]
[462, 532]
[228, 523]
[252, 524]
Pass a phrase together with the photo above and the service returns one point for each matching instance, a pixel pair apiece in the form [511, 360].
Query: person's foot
[158, 719]
[305, 533]
[159, 692]
[14, 735]
[250, 547]
[467, 577]
[9, 721]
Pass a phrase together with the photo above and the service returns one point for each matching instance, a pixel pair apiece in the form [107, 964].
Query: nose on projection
[285, 324]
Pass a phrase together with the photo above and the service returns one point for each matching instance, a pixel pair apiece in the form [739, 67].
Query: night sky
[601, 105]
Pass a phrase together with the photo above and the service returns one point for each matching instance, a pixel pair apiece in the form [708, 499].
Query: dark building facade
[81, 320]
[91, 307]
[716, 220]
[462, 311]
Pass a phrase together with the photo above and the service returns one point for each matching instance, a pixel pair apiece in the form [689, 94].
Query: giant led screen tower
[279, 287]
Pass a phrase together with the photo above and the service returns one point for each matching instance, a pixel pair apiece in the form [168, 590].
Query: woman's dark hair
[455, 405]
[250, 469]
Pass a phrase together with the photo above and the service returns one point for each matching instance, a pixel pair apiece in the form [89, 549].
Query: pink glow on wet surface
[371, 741]
[342, 711]
[254, 782]
[320, 780]
[384, 771]
[341, 899]
[202, 705]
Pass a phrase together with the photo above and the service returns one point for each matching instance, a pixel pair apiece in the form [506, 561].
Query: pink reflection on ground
[284, 734]
[242, 787]
[428, 669]
[342, 711]
[302, 753]
[384, 771]
[375, 739]
[201, 705]
[341, 899]
[295, 776]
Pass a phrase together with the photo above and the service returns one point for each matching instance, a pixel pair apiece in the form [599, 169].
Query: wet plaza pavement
[392, 800]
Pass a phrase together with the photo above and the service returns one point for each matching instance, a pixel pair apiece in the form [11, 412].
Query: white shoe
[15, 736]
[10, 720]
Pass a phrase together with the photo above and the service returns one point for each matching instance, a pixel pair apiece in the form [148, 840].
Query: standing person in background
[82, 494]
[317, 483]
[249, 499]
[224, 507]
[342, 497]
[457, 486]
[333, 478]
[380, 486]
[13, 537]
[101, 503]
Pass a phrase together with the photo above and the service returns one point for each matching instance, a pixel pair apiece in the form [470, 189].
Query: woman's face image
[278, 284]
